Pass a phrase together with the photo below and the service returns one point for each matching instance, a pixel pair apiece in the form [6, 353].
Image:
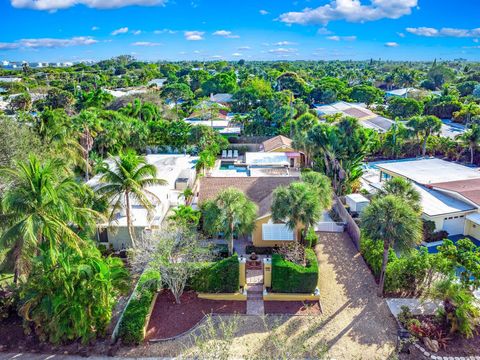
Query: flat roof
[263, 158]
[430, 171]
[357, 197]
[435, 203]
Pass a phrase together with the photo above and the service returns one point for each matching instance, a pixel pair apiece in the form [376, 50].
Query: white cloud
[350, 10]
[216, 57]
[323, 31]
[282, 51]
[402, 35]
[237, 54]
[444, 32]
[226, 34]
[146, 43]
[342, 38]
[244, 48]
[52, 5]
[284, 43]
[136, 32]
[95, 28]
[193, 35]
[48, 43]
[263, 12]
[165, 31]
[391, 44]
[122, 30]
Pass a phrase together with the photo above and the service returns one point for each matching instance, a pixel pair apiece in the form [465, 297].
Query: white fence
[330, 226]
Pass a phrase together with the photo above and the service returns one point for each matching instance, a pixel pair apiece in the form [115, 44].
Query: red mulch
[169, 319]
[292, 307]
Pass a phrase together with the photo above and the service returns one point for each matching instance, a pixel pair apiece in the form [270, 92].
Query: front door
[292, 162]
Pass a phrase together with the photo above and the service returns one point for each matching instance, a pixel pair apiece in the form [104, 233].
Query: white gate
[329, 226]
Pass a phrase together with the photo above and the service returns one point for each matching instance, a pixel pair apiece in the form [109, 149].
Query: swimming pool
[230, 166]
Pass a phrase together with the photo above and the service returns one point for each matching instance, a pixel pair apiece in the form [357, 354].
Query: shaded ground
[292, 307]
[169, 319]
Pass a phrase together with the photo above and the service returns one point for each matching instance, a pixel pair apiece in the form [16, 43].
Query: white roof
[430, 171]
[209, 123]
[262, 158]
[400, 92]
[124, 92]
[436, 203]
[222, 98]
[169, 168]
[231, 130]
[277, 232]
[475, 218]
[157, 82]
[358, 198]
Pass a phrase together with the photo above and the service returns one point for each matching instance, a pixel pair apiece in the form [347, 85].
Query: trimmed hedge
[218, 277]
[135, 314]
[288, 277]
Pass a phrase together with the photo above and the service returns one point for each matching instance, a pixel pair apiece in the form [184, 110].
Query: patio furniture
[235, 153]
[230, 154]
[224, 154]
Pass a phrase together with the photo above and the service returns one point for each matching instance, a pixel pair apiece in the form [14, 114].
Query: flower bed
[292, 307]
[169, 319]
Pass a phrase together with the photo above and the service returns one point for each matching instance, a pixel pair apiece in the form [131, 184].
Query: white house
[178, 171]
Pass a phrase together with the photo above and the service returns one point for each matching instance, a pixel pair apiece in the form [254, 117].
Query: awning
[292, 154]
[475, 218]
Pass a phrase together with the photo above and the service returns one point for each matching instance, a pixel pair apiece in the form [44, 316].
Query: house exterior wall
[297, 160]
[257, 237]
[472, 229]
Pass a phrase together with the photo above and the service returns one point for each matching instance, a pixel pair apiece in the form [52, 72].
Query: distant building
[157, 82]
[224, 99]
[366, 117]
[399, 92]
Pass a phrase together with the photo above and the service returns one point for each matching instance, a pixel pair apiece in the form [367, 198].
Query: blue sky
[71, 30]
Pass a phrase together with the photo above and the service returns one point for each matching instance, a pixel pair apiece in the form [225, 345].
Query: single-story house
[399, 92]
[158, 83]
[223, 99]
[449, 192]
[366, 117]
[260, 191]
[178, 171]
[282, 144]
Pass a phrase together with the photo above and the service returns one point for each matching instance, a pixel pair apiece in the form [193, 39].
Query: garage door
[454, 225]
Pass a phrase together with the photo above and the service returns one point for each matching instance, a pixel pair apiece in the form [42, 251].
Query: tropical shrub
[311, 239]
[135, 314]
[218, 277]
[73, 297]
[288, 277]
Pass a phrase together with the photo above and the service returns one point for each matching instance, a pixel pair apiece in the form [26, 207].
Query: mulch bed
[169, 319]
[292, 307]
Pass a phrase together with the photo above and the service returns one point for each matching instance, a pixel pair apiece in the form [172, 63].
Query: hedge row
[288, 277]
[218, 277]
[135, 314]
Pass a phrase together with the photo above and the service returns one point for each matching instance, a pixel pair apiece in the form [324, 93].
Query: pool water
[239, 169]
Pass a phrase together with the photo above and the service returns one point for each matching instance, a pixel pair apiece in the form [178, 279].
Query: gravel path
[356, 323]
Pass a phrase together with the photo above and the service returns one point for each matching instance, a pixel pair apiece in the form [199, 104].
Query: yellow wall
[283, 149]
[472, 229]
[257, 238]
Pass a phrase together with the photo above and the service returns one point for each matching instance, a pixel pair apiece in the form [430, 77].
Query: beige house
[260, 191]
[282, 144]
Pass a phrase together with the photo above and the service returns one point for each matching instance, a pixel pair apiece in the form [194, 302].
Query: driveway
[356, 323]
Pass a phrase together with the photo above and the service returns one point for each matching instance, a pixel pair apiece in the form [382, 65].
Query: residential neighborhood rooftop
[469, 189]
[277, 142]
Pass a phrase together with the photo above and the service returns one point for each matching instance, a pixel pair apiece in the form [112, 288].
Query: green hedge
[288, 277]
[218, 277]
[135, 314]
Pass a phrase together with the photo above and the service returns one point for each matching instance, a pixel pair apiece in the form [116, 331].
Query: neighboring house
[178, 171]
[224, 99]
[157, 82]
[9, 79]
[260, 191]
[366, 117]
[399, 92]
[450, 192]
[282, 144]
[221, 124]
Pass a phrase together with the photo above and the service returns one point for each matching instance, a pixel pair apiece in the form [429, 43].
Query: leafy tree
[402, 189]
[366, 94]
[298, 205]
[21, 102]
[128, 178]
[41, 206]
[224, 82]
[59, 99]
[206, 160]
[467, 87]
[74, 297]
[186, 216]
[232, 213]
[177, 92]
[404, 108]
[425, 126]
[471, 138]
[392, 221]
[465, 114]
[439, 75]
[292, 82]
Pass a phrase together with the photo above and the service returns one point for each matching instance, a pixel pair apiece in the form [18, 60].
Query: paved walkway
[356, 324]
[255, 304]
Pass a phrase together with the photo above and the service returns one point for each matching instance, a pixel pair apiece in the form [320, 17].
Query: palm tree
[206, 160]
[42, 206]
[425, 126]
[230, 212]
[323, 186]
[471, 138]
[185, 215]
[128, 179]
[391, 220]
[403, 189]
[296, 205]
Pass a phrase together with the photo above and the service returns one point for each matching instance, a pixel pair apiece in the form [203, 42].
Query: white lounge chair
[224, 154]
[235, 154]
[230, 155]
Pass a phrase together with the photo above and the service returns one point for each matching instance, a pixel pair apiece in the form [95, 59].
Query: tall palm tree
[322, 184]
[425, 126]
[42, 206]
[471, 138]
[127, 179]
[297, 205]
[392, 221]
[230, 212]
[403, 189]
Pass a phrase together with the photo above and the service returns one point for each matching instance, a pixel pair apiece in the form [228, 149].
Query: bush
[218, 277]
[288, 277]
[311, 239]
[259, 250]
[221, 251]
[135, 314]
